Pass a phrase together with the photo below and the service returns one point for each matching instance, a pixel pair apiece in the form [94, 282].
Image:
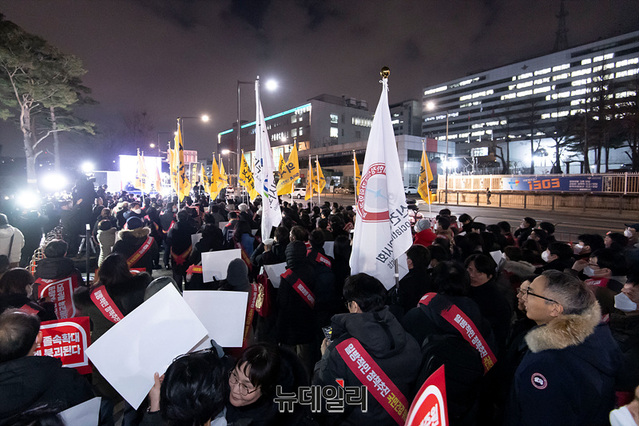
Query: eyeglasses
[530, 293]
[234, 380]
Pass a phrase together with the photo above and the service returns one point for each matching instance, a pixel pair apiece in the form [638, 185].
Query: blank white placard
[223, 313]
[145, 341]
[216, 263]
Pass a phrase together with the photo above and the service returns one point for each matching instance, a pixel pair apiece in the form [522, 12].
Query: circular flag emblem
[539, 381]
[372, 203]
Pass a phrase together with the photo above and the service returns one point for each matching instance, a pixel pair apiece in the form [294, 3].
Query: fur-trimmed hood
[564, 331]
[521, 268]
[137, 233]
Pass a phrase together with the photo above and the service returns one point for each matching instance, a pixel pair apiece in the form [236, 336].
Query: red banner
[429, 407]
[67, 340]
[60, 292]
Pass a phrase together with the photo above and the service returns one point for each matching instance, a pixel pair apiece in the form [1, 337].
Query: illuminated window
[542, 72]
[334, 132]
[560, 67]
[581, 72]
[294, 118]
[300, 131]
[293, 132]
[334, 119]
[435, 90]
[586, 61]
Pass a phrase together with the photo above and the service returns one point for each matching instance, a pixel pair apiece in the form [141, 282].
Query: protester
[16, 285]
[11, 241]
[192, 391]
[28, 381]
[137, 245]
[568, 376]
[380, 339]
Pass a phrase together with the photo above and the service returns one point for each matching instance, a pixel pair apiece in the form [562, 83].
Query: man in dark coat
[178, 243]
[137, 245]
[568, 376]
[296, 321]
[371, 326]
[28, 381]
[415, 283]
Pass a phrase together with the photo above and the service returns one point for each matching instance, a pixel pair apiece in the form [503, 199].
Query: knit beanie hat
[134, 222]
[237, 275]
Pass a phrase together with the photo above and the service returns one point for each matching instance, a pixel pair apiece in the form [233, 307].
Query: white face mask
[137, 211]
[545, 255]
[589, 271]
[622, 417]
[624, 304]
[628, 233]
[577, 248]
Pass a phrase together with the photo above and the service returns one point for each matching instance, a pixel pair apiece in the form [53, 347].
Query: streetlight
[431, 106]
[204, 118]
[271, 85]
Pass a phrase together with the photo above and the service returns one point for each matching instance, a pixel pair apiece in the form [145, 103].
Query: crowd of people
[530, 330]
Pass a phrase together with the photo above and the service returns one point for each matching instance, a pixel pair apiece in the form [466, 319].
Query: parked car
[299, 193]
[410, 190]
[342, 190]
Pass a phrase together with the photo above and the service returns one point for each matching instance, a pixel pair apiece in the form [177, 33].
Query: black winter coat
[32, 381]
[130, 241]
[395, 351]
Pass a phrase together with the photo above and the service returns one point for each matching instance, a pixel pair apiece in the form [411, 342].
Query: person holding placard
[28, 381]
[191, 392]
[116, 293]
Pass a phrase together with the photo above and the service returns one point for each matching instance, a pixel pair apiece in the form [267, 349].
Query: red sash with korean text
[298, 285]
[60, 292]
[320, 258]
[250, 313]
[140, 252]
[106, 305]
[597, 282]
[458, 319]
[373, 377]
[180, 259]
[28, 309]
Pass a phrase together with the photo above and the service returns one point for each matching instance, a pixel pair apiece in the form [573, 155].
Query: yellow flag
[425, 177]
[224, 178]
[289, 173]
[158, 180]
[246, 178]
[318, 186]
[358, 174]
[214, 187]
[309, 181]
[184, 186]
[172, 168]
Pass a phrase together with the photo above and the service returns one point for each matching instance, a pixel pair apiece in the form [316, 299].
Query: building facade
[516, 114]
[333, 130]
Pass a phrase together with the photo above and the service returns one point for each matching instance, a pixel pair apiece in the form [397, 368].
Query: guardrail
[616, 183]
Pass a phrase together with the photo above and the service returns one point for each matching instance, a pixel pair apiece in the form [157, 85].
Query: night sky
[173, 58]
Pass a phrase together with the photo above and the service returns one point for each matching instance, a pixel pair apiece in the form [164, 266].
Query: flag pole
[319, 190]
[354, 176]
[430, 211]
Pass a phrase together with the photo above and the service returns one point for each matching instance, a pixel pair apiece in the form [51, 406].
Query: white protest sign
[145, 341]
[497, 256]
[329, 248]
[195, 238]
[273, 273]
[216, 263]
[85, 414]
[223, 313]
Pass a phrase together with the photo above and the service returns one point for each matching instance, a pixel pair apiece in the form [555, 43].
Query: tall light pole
[431, 106]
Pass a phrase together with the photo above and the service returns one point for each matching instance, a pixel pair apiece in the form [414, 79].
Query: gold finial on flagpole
[385, 72]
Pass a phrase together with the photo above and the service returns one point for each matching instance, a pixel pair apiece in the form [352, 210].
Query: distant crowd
[531, 330]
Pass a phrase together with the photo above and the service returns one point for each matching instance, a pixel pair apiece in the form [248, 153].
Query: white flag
[382, 227]
[263, 169]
